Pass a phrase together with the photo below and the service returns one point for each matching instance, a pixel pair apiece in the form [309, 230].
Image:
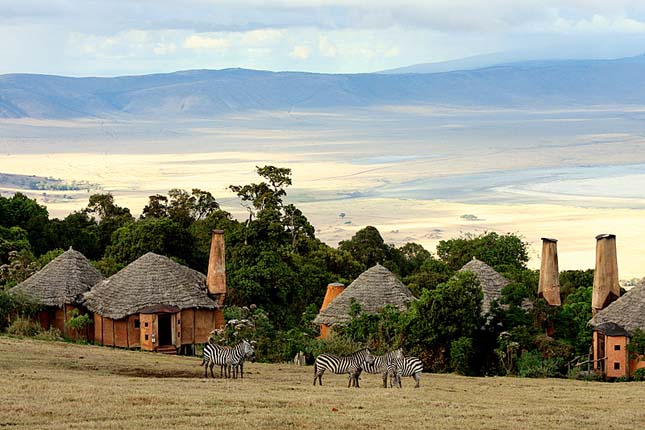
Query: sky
[118, 37]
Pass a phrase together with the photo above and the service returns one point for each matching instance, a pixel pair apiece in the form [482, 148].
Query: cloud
[300, 51]
[392, 52]
[164, 48]
[196, 41]
[327, 48]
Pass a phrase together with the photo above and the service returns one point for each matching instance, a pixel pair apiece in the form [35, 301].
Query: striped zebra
[227, 358]
[406, 366]
[351, 364]
[380, 364]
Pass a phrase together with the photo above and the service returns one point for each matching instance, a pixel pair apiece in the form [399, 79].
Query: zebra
[227, 357]
[381, 362]
[351, 364]
[404, 366]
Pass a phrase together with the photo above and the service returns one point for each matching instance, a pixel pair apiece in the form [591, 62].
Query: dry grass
[58, 385]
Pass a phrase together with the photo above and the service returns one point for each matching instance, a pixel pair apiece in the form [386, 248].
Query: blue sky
[115, 37]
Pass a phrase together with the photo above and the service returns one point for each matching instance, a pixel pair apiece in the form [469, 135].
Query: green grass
[60, 385]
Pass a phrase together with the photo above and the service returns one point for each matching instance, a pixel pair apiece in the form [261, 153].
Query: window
[616, 365]
[145, 324]
[137, 323]
[178, 322]
[616, 347]
[146, 337]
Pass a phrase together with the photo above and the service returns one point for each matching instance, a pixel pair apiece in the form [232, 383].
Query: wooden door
[176, 332]
[148, 332]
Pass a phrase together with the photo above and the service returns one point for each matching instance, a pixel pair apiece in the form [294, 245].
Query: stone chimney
[606, 288]
[216, 277]
[549, 287]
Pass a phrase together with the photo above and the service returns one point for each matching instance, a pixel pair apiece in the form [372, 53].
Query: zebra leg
[385, 380]
[242, 370]
[211, 364]
[316, 375]
[417, 379]
[221, 370]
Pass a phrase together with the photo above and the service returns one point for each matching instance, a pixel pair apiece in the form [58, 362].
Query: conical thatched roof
[627, 312]
[62, 281]
[373, 289]
[151, 280]
[491, 282]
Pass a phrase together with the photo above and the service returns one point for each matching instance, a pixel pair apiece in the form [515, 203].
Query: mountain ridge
[205, 93]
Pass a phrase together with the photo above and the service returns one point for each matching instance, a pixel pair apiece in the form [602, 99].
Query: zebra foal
[351, 364]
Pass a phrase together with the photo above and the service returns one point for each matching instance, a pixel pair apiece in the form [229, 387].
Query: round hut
[613, 327]
[59, 287]
[373, 289]
[154, 304]
[492, 283]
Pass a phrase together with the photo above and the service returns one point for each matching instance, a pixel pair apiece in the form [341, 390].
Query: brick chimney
[606, 288]
[216, 277]
[333, 290]
[549, 287]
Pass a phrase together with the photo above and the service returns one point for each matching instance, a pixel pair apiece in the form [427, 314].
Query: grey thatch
[627, 312]
[63, 280]
[373, 289]
[151, 280]
[491, 282]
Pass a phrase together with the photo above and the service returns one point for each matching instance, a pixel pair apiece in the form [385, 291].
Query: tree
[491, 248]
[366, 246]
[162, 236]
[181, 206]
[21, 211]
[157, 207]
[108, 216]
[443, 315]
[264, 196]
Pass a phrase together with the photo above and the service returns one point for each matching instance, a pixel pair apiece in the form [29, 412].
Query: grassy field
[58, 385]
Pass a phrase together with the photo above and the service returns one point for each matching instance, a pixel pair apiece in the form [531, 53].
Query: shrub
[639, 375]
[584, 375]
[461, 354]
[532, 365]
[622, 379]
[52, 334]
[22, 326]
[78, 322]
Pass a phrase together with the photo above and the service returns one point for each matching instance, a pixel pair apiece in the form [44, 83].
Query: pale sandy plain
[410, 171]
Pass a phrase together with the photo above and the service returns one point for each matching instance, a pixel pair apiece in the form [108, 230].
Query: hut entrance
[165, 330]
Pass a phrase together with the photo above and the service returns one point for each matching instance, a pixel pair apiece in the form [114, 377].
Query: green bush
[461, 355]
[639, 375]
[532, 365]
[622, 379]
[78, 322]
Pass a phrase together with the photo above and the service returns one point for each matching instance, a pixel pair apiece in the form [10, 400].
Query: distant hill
[467, 63]
[203, 93]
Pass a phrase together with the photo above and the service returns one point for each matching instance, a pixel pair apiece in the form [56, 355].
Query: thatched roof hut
[491, 282]
[627, 312]
[62, 281]
[373, 289]
[151, 280]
